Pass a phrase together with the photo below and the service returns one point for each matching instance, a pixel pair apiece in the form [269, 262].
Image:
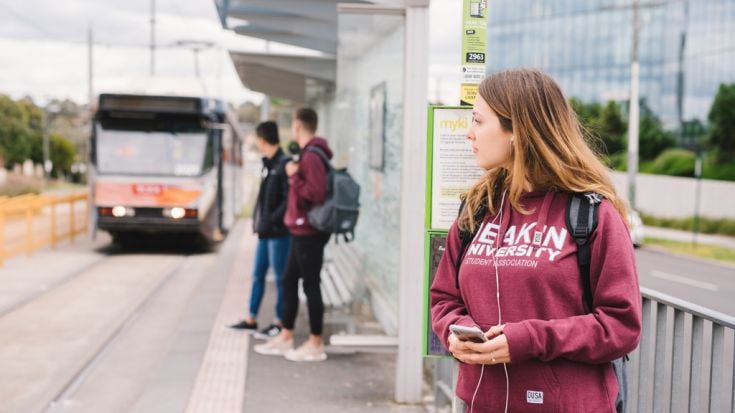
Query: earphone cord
[500, 318]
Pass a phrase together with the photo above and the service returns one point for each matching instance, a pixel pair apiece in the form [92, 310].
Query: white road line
[684, 280]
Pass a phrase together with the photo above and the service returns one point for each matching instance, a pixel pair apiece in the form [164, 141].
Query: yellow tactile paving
[220, 384]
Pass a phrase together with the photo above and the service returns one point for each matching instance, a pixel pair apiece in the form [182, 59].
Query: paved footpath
[344, 383]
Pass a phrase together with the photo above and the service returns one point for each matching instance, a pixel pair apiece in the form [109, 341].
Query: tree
[19, 124]
[248, 112]
[21, 135]
[721, 136]
[62, 153]
[653, 139]
[603, 122]
[611, 127]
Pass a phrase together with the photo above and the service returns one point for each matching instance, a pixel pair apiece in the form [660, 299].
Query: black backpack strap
[581, 223]
[282, 161]
[465, 238]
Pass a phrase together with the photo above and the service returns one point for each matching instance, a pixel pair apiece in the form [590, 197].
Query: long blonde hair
[549, 150]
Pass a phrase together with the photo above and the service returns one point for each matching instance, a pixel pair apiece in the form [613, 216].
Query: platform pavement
[215, 364]
[345, 382]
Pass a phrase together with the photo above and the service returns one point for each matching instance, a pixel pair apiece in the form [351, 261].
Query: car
[636, 228]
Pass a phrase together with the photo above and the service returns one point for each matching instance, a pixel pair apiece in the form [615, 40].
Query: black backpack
[581, 219]
[338, 214]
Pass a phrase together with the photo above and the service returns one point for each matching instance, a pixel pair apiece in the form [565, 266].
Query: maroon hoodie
[308, 188]
[560, 352]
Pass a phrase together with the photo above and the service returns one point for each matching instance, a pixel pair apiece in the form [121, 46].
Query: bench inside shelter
[344, 291]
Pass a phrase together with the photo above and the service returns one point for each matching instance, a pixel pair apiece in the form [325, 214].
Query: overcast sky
[43, 48]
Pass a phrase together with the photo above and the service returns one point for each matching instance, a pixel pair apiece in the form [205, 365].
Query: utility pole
[46, 149]
[153, 37]
[634, 100]
[90, 67]
[197, 46]
[49, 111]
[196, 51]
[90, 105]
[633, 111]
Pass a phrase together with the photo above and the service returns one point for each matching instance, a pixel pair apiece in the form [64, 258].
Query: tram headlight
[121, 211]
[178, 213]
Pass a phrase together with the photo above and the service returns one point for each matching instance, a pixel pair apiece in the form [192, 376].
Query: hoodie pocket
[533, 387]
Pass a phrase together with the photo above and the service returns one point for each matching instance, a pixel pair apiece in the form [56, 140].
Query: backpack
[338, 214]
[581, 219]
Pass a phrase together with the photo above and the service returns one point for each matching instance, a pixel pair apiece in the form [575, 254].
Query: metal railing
[684, 363]
[29, 222]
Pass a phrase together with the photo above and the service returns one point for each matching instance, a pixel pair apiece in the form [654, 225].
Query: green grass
[64, 186]
[20, 185]
[713, 252]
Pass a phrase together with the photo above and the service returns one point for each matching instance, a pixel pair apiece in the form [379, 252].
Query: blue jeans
[270, 252]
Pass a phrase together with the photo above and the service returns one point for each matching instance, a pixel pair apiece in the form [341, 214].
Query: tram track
[46, 288]
[51, 338]
[56, 405]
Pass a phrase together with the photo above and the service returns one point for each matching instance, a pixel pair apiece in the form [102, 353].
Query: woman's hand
[493, 351]
[458, 347]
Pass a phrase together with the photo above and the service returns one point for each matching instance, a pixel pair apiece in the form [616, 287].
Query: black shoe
[244, 325]
[268, 332]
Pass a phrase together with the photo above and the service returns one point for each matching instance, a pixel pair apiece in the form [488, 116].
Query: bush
[674, 162]
[722, 171]
[653, 139]
[726, 226]
[721, 137]
[618, 161]
[722, 226]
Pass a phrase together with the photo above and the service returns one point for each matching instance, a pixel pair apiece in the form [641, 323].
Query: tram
[165, 164]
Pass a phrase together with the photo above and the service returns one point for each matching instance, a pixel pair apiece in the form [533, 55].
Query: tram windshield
[131, 152]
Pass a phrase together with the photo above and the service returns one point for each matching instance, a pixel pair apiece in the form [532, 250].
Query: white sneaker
[274, 347]
[307, 352]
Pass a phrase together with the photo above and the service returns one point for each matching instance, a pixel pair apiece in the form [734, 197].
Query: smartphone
[463, 333]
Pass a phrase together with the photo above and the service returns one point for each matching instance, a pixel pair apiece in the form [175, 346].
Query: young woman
[519, 280]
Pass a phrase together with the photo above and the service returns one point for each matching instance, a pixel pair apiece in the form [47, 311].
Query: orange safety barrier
[18, 234]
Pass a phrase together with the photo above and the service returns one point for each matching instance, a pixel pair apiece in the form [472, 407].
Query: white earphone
[500, 316]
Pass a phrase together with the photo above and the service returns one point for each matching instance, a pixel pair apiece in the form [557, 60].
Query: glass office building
[686, 49]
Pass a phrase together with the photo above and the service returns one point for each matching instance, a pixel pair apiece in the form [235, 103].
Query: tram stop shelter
[365, 71]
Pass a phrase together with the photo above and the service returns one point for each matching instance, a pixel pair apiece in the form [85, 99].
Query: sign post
[450, 163]
[451, 171]
[474, 48]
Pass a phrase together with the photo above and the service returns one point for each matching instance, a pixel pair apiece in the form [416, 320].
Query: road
[706, 284]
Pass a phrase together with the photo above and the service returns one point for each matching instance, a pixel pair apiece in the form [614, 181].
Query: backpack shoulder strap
[465, 238]
[322, 155]
[581, 218]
